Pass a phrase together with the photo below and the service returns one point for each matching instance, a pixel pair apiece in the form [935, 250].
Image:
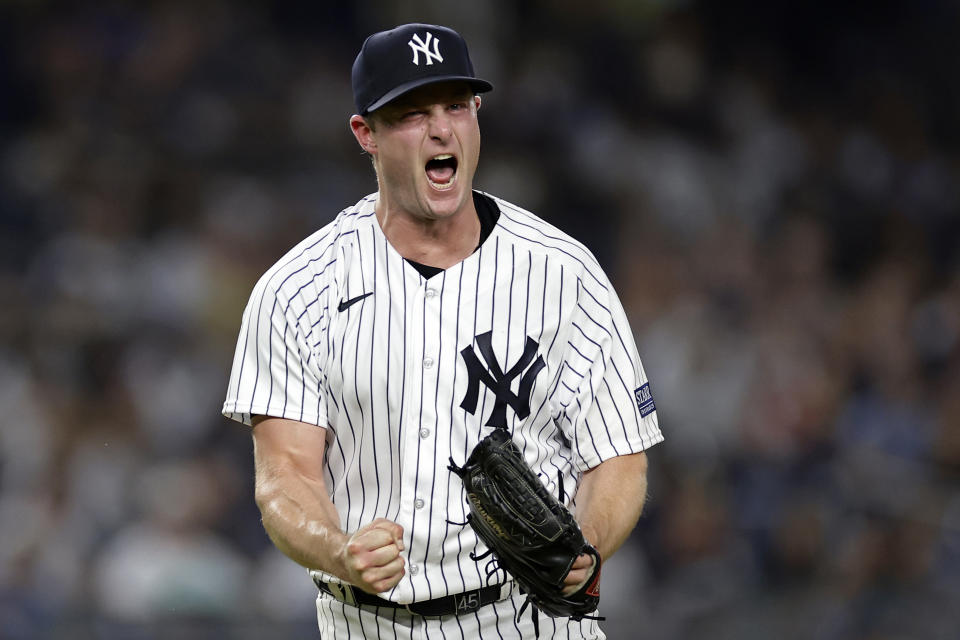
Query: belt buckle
[343, 592]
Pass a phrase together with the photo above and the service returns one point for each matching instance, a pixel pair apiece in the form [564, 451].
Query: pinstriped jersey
[405, 373]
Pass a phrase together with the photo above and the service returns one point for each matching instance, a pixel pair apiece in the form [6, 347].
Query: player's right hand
[372, 556]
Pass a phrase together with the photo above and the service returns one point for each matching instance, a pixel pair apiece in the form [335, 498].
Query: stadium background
[773, 188]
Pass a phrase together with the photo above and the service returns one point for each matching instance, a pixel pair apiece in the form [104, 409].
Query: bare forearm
[302, 524]
[610, 500]
[305, 526]
[299, 515]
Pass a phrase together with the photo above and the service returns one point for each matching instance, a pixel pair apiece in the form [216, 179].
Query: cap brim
[478, 85]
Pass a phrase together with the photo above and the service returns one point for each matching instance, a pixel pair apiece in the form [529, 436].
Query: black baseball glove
[528, 531]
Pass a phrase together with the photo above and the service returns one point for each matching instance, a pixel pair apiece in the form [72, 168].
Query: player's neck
[438, 243]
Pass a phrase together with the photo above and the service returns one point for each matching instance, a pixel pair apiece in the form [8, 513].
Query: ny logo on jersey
[496, 380]
[422, 46]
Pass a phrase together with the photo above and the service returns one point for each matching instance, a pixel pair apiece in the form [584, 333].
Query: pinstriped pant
[497, 621]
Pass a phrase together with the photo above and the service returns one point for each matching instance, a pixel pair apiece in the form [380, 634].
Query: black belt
[456, 604]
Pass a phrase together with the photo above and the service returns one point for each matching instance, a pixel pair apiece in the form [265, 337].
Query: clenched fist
[372, 556]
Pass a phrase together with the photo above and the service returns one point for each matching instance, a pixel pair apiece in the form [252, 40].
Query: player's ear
[476, 101]
[364, 132]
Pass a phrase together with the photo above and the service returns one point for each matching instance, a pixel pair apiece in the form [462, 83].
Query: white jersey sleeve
[610, 411]
[276, 368]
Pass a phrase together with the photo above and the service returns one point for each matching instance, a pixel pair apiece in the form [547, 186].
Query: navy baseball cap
[390, 63]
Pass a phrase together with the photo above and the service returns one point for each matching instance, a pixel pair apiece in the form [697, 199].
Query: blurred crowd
[774, 190]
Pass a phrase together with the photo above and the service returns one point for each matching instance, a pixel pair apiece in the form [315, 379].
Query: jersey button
[430, 293]
[428, 362]
[414, 569]
[418, 504]
[424, 433]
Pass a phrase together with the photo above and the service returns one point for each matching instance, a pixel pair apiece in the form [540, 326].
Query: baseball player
[397, 336]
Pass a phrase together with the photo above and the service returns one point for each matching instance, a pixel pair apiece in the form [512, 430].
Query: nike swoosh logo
[345, 304]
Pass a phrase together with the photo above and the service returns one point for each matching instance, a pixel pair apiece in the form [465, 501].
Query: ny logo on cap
[422, 46]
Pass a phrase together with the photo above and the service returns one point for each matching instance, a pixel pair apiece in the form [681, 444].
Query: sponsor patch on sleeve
[644, 400]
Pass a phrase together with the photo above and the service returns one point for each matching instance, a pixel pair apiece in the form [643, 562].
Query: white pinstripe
[387, 377]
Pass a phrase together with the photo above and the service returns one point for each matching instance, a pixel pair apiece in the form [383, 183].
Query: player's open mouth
[442, 171]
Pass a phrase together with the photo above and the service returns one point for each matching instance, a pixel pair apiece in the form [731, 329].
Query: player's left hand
[579, 573]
